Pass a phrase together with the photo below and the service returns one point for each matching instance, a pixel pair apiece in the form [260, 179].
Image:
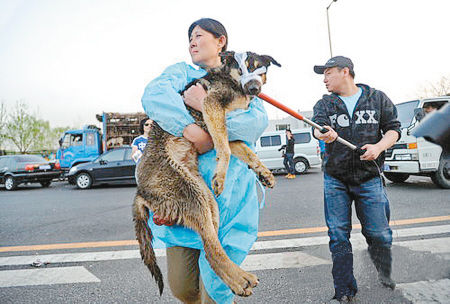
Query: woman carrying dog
[190, 276]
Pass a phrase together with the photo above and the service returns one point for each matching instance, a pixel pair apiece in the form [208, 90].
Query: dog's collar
[246, 75]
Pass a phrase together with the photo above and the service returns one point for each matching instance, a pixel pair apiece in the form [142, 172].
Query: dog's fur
[171, 186]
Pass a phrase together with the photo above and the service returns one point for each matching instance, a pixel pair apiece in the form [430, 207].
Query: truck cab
[416, 156]
[79, 146]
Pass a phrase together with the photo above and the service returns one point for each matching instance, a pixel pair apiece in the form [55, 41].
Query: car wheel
[45, 184]
[10, 183]
[84, 181]
[300, 165]
[442, 176]
[396, 177]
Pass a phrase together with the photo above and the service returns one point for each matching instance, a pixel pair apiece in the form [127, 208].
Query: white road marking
[427, 291]
[281, 260]
[440, 246]
[358, 242]
[76, 257]
[357, 238]
[47, 276]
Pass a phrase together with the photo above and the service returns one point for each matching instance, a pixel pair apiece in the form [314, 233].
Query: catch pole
[308, 121]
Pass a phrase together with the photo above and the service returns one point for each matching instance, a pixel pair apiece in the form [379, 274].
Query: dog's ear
[226, 57]
[269, 59]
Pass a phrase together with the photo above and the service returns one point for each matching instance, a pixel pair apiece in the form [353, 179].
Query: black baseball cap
[338, 61]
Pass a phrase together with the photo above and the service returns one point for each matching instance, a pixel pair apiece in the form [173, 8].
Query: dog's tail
[144, 236]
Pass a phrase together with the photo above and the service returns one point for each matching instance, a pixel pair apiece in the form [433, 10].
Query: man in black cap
[367, 118]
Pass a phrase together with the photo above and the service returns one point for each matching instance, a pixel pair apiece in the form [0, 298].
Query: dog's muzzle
[250, 82]
[253, 87]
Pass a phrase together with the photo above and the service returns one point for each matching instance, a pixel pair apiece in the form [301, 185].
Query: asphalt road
[300, 272]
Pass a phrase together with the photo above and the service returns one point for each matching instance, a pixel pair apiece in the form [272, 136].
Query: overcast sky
[69, 60]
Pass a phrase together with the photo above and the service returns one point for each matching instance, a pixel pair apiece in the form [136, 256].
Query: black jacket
[290, 145]
[374, 115]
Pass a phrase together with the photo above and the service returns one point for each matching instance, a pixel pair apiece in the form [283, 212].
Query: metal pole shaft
[338, 139]
[329, 33]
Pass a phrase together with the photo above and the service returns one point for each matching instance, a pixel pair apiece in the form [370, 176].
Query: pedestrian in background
[289, 155]
[322, 152]
[367, 118]
[140, 142]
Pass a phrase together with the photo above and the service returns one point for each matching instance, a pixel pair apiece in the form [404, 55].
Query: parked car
[113, 167]
[23, 168]
[306, 148]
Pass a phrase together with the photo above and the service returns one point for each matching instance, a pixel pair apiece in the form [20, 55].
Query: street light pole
[328, 22]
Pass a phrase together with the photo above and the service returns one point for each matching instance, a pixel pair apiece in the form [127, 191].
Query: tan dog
[170, 184]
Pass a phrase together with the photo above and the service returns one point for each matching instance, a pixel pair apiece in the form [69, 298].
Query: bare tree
[2, 123]
[440, 88]
[23, 129]
[51, 139]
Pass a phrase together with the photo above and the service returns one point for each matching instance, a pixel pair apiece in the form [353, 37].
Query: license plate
[44, 167]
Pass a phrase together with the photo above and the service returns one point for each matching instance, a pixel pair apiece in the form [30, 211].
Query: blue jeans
[372, 209]
[289, 163]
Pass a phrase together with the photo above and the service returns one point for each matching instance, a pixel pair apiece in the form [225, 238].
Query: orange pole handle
[280, 106]
[309, 122]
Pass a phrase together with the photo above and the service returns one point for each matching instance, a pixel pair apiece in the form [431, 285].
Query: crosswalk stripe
[358, 242]
[356, 238]
[76, 257]
[47, 276]
[426, 291]
[281, 260]
[441, 246]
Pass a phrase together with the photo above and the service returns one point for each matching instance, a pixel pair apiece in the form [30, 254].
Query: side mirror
[103, 162]
[60, 142]
[419, 114]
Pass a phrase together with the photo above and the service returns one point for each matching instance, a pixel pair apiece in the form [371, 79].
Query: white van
[306, 149]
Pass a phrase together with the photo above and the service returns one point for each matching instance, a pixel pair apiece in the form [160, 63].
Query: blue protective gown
[238, 204]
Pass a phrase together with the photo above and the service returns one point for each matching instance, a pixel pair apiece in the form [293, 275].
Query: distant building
[289, 122]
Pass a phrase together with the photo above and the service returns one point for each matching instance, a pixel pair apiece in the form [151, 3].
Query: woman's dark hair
[210, 25]
[141, 125]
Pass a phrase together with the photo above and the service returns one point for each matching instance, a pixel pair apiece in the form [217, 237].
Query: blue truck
[86, 144]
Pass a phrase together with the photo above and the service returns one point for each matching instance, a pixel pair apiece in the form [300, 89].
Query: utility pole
[328, 22]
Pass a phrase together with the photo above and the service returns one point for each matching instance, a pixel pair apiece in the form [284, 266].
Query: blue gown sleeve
[247, 125]
[163, 103]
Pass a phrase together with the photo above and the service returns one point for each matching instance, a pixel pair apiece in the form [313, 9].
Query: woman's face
[147, 125]
[204, 48]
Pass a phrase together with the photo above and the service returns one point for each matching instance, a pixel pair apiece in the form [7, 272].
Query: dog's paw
[218, 184]
[266, 177]
[243, 287]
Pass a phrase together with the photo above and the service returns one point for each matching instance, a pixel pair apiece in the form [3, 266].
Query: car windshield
[29, 159]
[406, 112]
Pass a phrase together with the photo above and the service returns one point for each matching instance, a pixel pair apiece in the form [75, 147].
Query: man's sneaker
[386, 281]
[288, 175]
[292, 176]
[344, 299]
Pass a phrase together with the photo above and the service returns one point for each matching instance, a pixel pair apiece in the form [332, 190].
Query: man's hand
[201, 139]
[372, 152]
[328, 137]
[194, 97]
